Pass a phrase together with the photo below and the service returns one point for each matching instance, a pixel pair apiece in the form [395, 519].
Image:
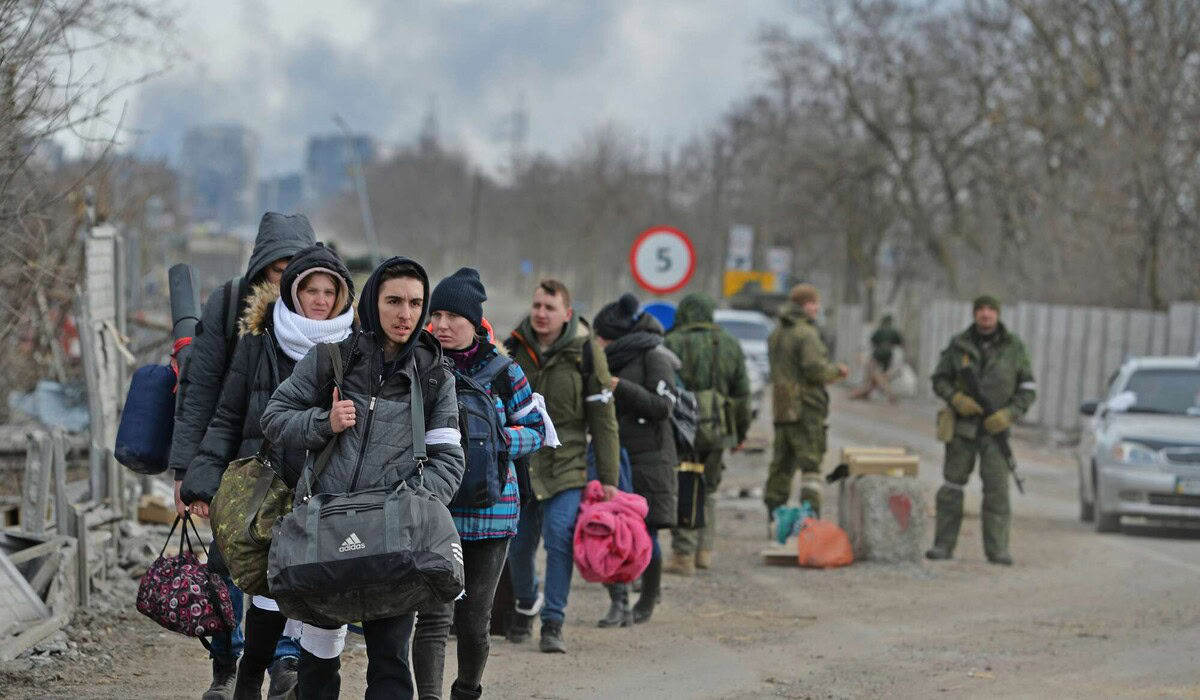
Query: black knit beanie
[616, 319]
[461, 293]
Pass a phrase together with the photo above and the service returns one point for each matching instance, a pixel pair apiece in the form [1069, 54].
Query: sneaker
[283, 679]
[937, 553]
[223, 680]
[552, 639]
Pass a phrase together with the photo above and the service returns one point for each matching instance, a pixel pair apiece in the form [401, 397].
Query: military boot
[223, 680]
[249, 684]
[619, 613]
[704, 558]
[938, 553]
[1003, 559]
[681, 564]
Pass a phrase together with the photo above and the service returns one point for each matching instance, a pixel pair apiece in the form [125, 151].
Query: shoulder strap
[587, 363]
[716, 340]
[417, 409]
[233, 294]
[335, 359]
[492, 369]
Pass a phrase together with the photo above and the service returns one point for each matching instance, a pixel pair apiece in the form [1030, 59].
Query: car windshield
[745, 330]
[1165, 391]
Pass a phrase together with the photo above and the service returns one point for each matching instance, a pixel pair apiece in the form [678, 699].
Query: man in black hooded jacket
[280, 236]
[371, 417]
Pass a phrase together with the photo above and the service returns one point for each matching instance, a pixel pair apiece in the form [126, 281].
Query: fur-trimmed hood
[259, 309]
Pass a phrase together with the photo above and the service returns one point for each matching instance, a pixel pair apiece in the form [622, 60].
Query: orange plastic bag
[823, 545]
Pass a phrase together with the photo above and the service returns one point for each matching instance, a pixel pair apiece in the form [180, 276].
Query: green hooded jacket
[692, 341]
[1005, 375]
[577, 404]
[800, 367]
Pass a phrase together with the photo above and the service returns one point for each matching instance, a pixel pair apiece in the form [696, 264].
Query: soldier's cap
[987, 300]
[804, 293]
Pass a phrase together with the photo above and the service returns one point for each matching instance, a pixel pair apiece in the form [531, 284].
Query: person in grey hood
[280, 236]
[371, 415]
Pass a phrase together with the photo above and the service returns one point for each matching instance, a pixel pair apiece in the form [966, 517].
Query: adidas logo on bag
[351, 543]
[456, 548]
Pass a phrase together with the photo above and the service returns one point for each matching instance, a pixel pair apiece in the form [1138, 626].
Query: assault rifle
[970, 381]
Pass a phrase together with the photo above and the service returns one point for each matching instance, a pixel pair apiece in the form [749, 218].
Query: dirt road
[1081, 615]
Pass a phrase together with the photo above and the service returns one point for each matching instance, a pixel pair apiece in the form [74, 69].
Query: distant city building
[283, 193]
[219, 174]
[330, 162]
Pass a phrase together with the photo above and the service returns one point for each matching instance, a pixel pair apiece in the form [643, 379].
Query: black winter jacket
[200, 381]
[646, 369]
[257, 369]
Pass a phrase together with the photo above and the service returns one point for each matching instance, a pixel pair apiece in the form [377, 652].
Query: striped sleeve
[524, 428]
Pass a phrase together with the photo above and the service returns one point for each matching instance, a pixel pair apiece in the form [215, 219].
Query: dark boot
[651, 591]
[938, 553]
[552, 639]
[1003, 559]
[521, 629]
[283, 679]
[224, 677]
[458, 692]
[249, 683]
[619, 614]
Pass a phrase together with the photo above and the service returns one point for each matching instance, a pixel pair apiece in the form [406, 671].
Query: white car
[1140, 455]
[751, 328]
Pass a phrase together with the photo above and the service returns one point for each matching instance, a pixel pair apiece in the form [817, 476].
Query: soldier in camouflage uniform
[800, 369]
[1006, 382]
[696, 340]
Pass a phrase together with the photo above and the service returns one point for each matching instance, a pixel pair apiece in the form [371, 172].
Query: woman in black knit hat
[456, 320]
[643, 372]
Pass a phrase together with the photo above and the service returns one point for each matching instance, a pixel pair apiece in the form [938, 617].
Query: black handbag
[368, 555]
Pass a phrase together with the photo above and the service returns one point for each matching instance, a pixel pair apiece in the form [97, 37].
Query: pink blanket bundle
[611, 541]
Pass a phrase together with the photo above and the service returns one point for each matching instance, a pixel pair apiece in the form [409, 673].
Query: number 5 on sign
[662, 259]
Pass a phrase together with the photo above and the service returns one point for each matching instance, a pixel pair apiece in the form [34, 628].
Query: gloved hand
[998, 422]
[965, 405]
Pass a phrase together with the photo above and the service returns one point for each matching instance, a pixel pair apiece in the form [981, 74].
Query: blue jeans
[554, 521]
[288, 646]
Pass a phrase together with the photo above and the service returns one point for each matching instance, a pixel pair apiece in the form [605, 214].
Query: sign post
[662, 259]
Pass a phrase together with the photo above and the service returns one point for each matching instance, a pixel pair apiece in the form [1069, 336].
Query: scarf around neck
[296, 334]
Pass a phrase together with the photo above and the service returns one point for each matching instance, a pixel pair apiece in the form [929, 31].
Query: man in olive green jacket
[1001, 363]
[560, 358]
[800, 370]
[698, 341]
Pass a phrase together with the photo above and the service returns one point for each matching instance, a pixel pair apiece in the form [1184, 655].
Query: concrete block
[884, 517]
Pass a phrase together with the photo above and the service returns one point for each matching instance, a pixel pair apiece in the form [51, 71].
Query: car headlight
[1136, 454]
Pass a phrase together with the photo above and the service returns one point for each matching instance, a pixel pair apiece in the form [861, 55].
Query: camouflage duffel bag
[250, 500]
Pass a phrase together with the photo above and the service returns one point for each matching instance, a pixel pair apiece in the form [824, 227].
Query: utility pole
[360, 184]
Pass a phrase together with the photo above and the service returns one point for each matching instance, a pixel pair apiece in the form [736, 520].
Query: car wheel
[1104, 522]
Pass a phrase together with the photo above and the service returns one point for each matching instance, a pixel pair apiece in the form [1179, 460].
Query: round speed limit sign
[662, 259]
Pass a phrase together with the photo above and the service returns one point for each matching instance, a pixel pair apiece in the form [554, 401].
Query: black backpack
[483, 442]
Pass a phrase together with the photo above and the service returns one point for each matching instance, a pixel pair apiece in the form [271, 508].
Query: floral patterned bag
[182, 595]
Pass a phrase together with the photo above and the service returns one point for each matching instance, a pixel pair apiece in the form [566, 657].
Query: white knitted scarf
[296, 334]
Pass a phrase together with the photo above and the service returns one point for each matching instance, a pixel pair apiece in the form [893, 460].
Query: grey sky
[665, 69]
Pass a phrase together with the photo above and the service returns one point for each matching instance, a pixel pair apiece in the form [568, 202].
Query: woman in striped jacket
[456, 308]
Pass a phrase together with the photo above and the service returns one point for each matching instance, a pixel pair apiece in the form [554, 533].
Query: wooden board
[848, 452]
[890, 465]
[781, 554]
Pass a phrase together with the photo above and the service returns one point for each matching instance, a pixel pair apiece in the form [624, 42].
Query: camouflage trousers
[961, 454]
[798, 446]
[688, 541]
